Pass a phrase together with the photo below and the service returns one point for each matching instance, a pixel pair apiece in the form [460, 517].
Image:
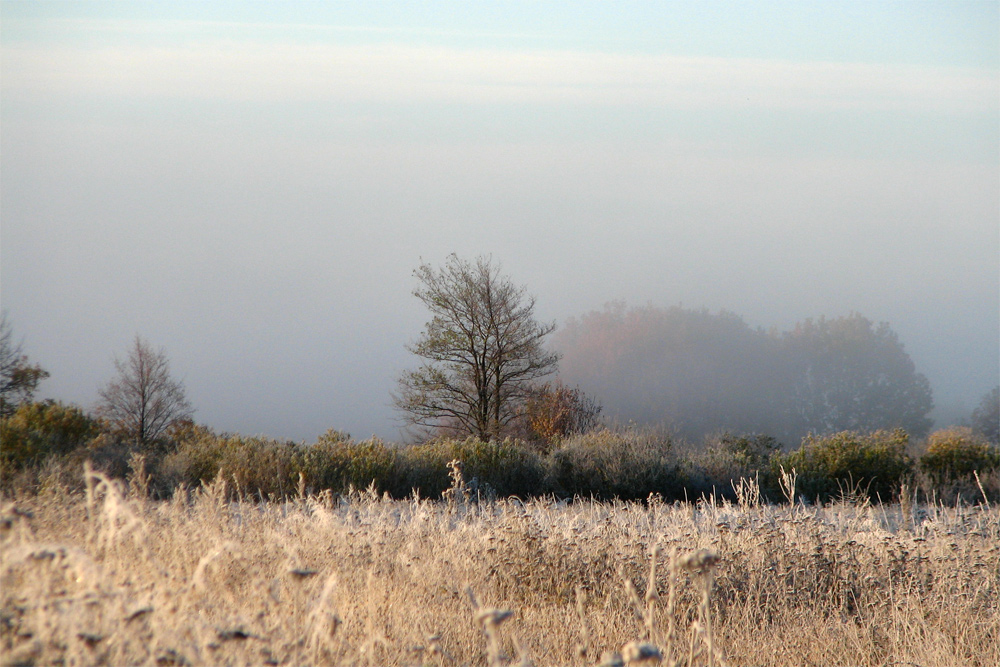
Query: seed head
[492, 618]
[641, 653]
[611, 659]
[698, 561]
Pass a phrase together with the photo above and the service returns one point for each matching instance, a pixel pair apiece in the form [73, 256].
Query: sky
[250, 185]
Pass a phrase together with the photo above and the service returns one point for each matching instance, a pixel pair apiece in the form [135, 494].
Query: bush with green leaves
[250, 465]
[729, 457]
[850, 464]
[337, 463]
[266, 468]
[607, 464]
[36, 431]
[954, 454]
[51, 441]
[507, 467]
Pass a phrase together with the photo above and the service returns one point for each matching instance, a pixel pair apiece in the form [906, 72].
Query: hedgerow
[44, 445]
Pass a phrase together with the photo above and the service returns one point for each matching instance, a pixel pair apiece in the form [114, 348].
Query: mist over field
[252, 186]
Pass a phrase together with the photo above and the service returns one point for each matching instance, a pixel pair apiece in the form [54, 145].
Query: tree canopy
[701, 373]
[986, 416]
[481, 350]
[18, 378]
[691, 370]
[849, 374]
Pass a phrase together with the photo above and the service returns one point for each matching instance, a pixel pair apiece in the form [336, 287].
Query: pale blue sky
[251, 185]
[923, 33]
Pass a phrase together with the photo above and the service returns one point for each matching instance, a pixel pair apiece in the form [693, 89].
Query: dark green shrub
[36, 431]
[607, 464]
[508, 467]
[727, 458]
[262, 466]
[265, 468]
[194, 460]
[849, 464]
[424, 468]
[250, 465]
[954, 454]
[337, 463]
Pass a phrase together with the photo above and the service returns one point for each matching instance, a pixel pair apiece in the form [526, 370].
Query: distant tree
[142, 401]
[847, 374]
[696, 371]
[482, 350]
[986, 417]
[18, 378]
[702, 373]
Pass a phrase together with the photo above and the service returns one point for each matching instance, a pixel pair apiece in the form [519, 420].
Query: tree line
[701, 373]
[483, 357]
[486, 372]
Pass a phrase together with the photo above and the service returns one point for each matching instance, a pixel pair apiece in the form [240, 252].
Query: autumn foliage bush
[555, 411]
[36, 431]
[959, 462]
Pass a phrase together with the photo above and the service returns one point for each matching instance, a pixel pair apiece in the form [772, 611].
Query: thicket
[45, 444]
[850, 465]
[956, 461]
[36, 431]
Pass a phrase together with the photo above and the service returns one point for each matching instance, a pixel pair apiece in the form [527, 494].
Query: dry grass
[111, 579]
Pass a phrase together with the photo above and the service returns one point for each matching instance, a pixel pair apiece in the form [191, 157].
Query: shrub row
[41, 441]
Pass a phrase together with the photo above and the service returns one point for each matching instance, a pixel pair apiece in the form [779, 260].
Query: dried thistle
[702, 563]
[699, 561]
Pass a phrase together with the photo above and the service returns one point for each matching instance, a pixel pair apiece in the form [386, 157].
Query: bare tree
[142, 401]
[482, 350]
[18, 378]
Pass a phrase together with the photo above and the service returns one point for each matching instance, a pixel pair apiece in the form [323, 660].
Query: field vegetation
[522, 529]
[107, 576]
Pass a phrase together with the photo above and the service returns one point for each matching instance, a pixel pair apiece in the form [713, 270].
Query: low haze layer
[251, 186]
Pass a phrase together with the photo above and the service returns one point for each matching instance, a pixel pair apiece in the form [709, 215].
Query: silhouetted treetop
[18, 378]
[481, 350]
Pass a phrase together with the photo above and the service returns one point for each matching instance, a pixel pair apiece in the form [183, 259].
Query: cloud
[397, 73]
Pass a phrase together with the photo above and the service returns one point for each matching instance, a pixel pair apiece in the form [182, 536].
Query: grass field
[111, 578]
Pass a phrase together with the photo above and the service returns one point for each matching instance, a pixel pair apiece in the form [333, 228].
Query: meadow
[108, 576]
